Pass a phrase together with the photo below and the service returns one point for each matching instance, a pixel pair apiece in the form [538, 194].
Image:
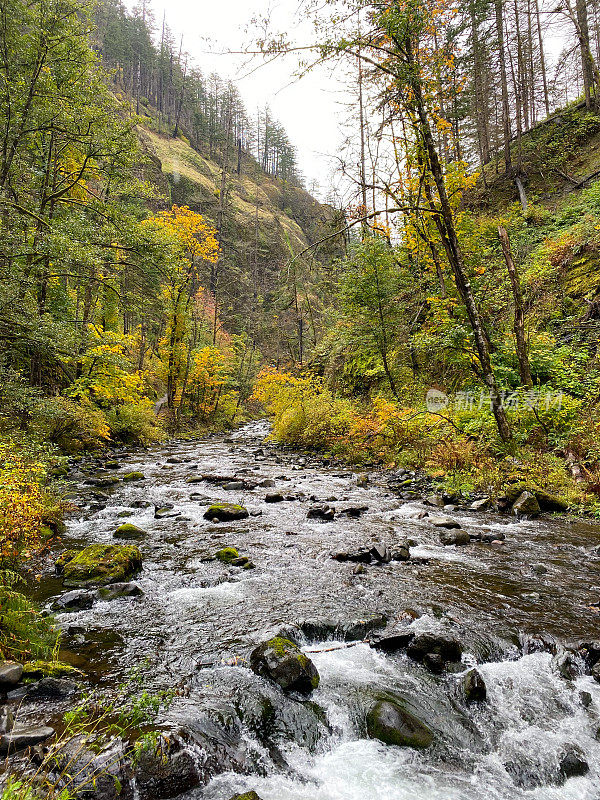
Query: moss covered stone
[246, 796]
[129, 531]
[133, 476]
[389, 722]
[227, 555]
[282, 661]
[225, 512]
[101, 564]
[547, 501]
[50, 669]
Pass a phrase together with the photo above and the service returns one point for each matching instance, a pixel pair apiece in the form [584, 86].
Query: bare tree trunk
[519, 322]
[504, 85]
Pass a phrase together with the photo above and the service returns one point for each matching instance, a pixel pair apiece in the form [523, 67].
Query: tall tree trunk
[519, 321]
[504, 85]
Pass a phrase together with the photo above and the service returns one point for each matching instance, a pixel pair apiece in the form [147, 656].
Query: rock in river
[441, 646]
[133, 476]
[389, 722]
[443, 521]
[10, 674]
[323, 512]
[473, 686]
[101, 564]
[22, 736]
[225, 512]
[246, 796]
[448, 538]
[526, 505]
[129, 531]
[283, 662]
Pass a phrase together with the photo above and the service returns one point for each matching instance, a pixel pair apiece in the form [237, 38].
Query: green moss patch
[225, 512]
[129, 531]
[50, 669]
[227, 555]
[133, 476]
[101, 564]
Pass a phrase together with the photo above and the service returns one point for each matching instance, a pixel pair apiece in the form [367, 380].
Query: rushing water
[199, 619]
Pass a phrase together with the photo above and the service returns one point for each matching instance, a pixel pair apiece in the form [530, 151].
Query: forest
[179, 313]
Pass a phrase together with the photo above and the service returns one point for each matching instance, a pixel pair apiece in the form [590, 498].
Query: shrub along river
[475, 658]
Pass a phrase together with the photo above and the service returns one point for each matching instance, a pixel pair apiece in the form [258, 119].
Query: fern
[24, 633]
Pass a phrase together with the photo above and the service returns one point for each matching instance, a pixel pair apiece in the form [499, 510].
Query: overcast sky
[309, 108]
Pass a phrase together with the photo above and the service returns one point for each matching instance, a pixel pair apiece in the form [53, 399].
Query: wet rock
[359, 569]
[353, 511]
[274, 497]
[103, 482]
[7, 720]
[401, 552]
[392, 724]
[116, 590]
[458, 538]
[76, 600]
[442, 521]
[246, 796]
[166, 512]
[227, 555]
[360, 556]
[129, 532]
[141, 504]
[380, 553]
[22, 736]
[473, 687]
[596, 672]
[537, 643]
[283, 662]
[493, 536]
[10, 674]
[266, 483]
[480, 505]
[100, 564]
[585, 699]
[322, 512]
[133, 476]
[125, 513]
[322, 628]
[565, 664]
[392, 642]
[427, 644]
[165, 770]
[225, 512]
[52, 689]
[526, 504]
[103, 775]
[234, 486]
[434, 500]
[573, 763]
[362, 480]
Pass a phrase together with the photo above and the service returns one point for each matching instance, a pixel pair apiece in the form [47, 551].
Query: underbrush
[457, 445]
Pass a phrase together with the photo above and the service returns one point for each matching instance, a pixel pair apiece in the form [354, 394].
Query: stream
[512, 606]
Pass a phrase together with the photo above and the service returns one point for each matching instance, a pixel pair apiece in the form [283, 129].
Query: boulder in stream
[392, 724]
[101, 564]
[246, 796]
[321, 512]
[227, 555]
[75, 600]
[23, 736]
[11, 673]
[115, 590]
[443, 521]
[448, 538]
[225, 512]
[129, 531]
[434, 648]
[133, 476]
[165, 770]
[526, 504]
[473, 686]
[283, 662]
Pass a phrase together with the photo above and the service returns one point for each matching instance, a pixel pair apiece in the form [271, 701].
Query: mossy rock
[129, 531]
[246, 796]
[283, 662]
[226, 512]
[101, 564]
[64, 558]
[547, 501]
[50, 669]
[227, 555]
[392, 724]
[133, 476]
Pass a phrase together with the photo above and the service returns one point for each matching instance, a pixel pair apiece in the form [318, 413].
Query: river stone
[448, 538]
[101, 564]
[573, 763]
[166, 770]
[284, 663]
[7, 720]
[116, 590]
[480, 505]
[473, 686]
[434, 500]
[227, 555]
[234, 486]
[75, 600]
[10, 674]
[596, 672]
[246, 796]
[392, 724]
[225, 512]
[52, 689]
[427, 644]
[103, 482]
[442, 521]
[274, 497]
[526, 504]
[321, 511]
[103, 775]
[392, 642]
[22, 736]
[133, 476]
[129, 531]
